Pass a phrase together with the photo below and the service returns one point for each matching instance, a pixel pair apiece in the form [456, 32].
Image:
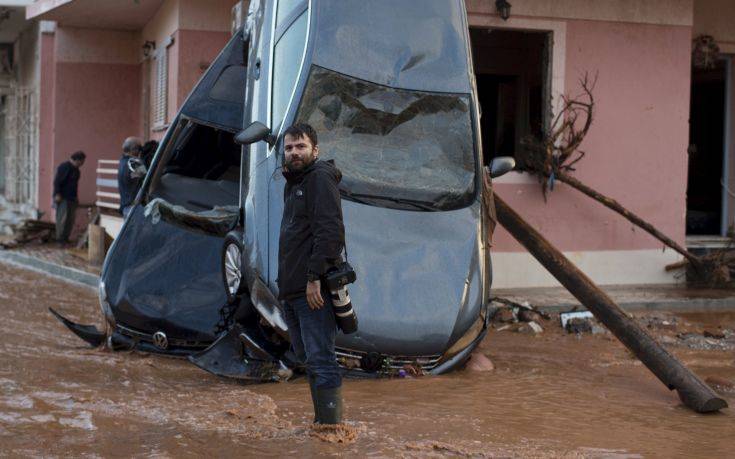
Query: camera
[336, 281]
[137, 168]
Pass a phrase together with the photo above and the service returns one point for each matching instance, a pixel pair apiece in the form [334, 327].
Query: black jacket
[312, 232]
[66, 181]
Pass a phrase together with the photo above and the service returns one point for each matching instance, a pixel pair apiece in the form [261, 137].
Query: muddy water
[552, 395]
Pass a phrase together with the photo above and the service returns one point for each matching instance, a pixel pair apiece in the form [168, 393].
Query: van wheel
[232, 266]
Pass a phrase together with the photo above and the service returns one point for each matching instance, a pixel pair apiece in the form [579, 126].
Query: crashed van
[389, 88]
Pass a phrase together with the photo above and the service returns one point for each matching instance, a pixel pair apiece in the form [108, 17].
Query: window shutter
[160, 90]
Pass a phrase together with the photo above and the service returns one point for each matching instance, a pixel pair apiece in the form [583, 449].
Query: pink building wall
[636, 148]
[199, 32]
[95, 103]
[197, 49]
[96, 108]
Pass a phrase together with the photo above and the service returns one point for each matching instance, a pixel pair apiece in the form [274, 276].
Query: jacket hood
[323, 166]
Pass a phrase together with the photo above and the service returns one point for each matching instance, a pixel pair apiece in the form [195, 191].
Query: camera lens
[344, 314]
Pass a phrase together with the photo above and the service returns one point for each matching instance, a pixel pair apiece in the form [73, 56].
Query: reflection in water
[553, 395]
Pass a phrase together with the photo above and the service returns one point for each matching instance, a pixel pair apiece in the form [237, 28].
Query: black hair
[148, 150]
[299, 130]
[78, 156]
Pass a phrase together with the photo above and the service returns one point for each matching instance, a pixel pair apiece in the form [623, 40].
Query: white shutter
[159, 106]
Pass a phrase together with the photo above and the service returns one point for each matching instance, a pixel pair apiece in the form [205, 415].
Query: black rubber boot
[329, 402]
[312, 388]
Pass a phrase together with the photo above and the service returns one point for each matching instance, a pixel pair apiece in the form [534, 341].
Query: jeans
[65, 213]
[312, 333]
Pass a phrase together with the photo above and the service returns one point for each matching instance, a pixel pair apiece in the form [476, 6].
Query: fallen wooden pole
[695, 394]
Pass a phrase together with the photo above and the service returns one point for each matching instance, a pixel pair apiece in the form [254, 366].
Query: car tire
[232, 279]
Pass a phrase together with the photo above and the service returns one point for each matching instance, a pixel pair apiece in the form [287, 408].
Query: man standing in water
[311, 242]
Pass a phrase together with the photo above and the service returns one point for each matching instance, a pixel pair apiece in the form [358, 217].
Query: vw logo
[160, 340]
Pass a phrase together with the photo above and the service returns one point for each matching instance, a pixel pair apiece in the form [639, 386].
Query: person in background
[130, 173]
[66, 184]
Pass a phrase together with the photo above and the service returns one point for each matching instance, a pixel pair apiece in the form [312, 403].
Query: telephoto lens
[343, 312]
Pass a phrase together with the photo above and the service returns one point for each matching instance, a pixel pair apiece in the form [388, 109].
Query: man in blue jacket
[66, 184]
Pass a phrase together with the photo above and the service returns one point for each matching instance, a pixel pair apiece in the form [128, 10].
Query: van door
[163, 273]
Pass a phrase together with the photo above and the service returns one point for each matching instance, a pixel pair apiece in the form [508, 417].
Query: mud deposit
[550, 395]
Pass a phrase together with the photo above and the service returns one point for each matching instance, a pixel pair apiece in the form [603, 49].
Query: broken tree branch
[554, 157]
[614, 205]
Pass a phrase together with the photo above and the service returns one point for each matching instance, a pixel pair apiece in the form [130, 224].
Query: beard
[302, 163]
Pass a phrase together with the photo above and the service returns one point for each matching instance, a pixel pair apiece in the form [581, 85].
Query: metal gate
[19, 139]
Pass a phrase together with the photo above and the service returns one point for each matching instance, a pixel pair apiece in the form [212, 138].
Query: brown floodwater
[550, 395]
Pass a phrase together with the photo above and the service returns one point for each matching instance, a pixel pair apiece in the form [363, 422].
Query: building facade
[19, 78]
[110, 69]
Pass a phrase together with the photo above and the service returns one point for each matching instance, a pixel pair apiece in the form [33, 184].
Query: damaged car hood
[419, 286]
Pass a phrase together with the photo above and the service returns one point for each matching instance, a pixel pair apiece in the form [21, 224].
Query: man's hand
[314, 294]
[57, 198]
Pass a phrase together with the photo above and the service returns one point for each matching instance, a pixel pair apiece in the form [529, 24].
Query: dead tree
[552, 159]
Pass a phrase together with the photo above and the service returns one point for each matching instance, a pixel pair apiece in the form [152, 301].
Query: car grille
[172, 342]
[393, 363]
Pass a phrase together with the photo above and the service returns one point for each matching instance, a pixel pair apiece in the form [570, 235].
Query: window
[513, 85]
[287, 57]
[395, 147]
[159, 101]
[160, 90]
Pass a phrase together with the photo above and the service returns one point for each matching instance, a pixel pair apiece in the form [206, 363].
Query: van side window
[286, 62]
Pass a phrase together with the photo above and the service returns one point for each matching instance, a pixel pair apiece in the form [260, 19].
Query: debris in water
[720, 384]
[527, 315]
[565, 317]
[668, 340]
[445, 449]
[579, 325]
[530, 328]
[714, 334]
[412, 370]
[29, 231]
[508, 311]
[504, 315]
[657, 323]
[334, 433]
[703, 342]
[536, 327]
[82, 421]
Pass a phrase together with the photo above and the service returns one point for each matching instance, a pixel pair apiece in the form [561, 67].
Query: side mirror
[501, 165]
[255, 133]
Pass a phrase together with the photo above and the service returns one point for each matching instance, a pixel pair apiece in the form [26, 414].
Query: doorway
[512, 70]
[705, 179]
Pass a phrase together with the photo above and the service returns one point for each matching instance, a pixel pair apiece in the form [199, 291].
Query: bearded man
[311, 242]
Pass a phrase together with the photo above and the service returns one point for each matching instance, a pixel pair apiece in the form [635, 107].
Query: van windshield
[395, 147]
